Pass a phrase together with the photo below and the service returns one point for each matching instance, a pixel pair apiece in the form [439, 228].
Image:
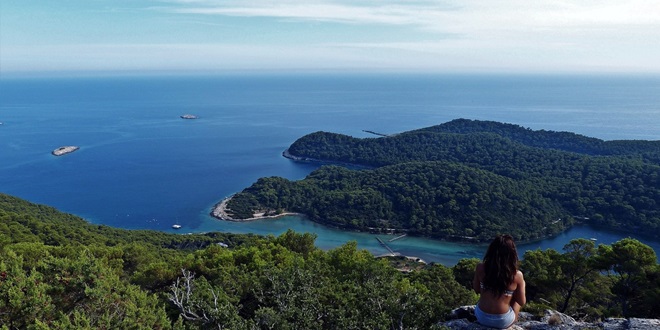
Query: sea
[141, 166]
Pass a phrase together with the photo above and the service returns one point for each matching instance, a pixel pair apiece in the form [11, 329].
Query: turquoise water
[141, 166]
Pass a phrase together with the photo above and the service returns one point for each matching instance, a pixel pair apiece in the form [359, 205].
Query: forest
[468, 180]
[59, 272]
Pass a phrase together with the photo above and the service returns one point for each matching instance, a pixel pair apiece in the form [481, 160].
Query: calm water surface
[142, 167]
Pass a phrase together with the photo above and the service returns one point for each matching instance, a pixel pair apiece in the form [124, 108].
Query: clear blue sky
[371, 35]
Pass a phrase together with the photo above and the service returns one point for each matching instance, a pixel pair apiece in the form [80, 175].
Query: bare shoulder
[478, 277]
[480, 269]
[519, 276]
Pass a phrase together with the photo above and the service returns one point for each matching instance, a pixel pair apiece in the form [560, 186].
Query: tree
[299, 243]
[577, 265]
[464, 271]
[569, 282]
[200, 303]
[542, 271]
[633, 265]
[23, 294]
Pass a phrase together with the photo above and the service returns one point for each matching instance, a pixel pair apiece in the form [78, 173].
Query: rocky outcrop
[64, 150]
[463, 318]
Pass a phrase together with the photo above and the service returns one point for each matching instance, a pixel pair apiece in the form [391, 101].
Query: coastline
[288, 155]
[220, 211]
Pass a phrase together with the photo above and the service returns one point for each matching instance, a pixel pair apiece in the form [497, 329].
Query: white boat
[593, 239]
[176, 226]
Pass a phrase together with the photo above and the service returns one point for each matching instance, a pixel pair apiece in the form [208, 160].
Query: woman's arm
[476, 282]
[519, 294]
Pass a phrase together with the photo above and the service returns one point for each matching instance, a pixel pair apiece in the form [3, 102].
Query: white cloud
[391, 14]
[542, 24]
[370, 34]
[514, 14]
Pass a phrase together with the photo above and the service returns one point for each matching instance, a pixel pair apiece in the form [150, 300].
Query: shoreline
[220, 212]
[288, 155]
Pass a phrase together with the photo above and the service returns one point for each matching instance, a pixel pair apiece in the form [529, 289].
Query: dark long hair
[501, 264]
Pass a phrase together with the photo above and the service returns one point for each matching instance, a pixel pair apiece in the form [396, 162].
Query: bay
[140, 166]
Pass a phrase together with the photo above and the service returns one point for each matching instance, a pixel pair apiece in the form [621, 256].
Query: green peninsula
[468, 180]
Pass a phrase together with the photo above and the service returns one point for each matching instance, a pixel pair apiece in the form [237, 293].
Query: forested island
[59, 272]
[468, 180]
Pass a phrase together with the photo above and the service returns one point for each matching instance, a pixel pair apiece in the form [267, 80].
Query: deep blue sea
[140, 166]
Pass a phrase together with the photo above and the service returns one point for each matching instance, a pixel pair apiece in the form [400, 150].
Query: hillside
[566, 141]
[435, 199]
[471, 180]
[59, 272]
[25, 222]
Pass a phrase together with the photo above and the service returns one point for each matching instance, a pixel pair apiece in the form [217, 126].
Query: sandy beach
[221, 212]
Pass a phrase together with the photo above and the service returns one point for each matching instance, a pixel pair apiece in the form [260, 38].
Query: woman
[500, 284]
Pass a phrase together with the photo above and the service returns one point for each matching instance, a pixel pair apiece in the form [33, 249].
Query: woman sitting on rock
[500, 284]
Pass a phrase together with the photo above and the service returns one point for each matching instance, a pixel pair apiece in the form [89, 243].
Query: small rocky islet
[64, 150]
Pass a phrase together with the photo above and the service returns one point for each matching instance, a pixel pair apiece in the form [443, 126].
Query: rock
[64, 150]
[556, 318]
[524, 316]
[615, 324]
[463, 318]
[643, 324]
[463, 312]
[630, 324]
[457, 324]
[464, 324]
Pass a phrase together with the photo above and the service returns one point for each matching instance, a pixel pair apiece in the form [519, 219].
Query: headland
[221, 211]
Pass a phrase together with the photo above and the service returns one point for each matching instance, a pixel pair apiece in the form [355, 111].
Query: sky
[517, 36]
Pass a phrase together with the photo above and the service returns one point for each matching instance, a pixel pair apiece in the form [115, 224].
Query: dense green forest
[59, 272]
[470, 180]
[436, 199]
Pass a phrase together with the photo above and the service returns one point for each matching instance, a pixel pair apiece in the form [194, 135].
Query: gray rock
[463, 319]
[524, 316]
[457, 324]
[615, 324]
[464, 324]
[463, 312]
[532, 325]
[643, 324]
[556, 318]
[630, 324]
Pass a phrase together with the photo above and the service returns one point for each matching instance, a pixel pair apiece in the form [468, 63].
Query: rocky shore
[287, 154]
[64, 150]
[221, 211]
[463, 319]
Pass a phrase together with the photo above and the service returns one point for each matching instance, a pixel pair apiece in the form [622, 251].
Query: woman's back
[492, 302]
[500, 284]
